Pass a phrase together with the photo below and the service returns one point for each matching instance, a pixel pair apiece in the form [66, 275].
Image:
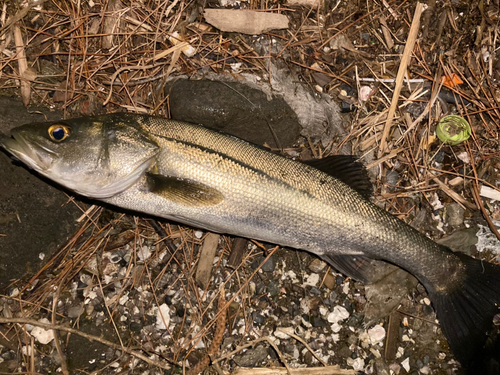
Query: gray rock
[454, 214]
[75, 311]
[317, 321]
[252, 357]
[270, 265]
[385, 295]
[392, 178]
[461, 240]
[234, 108]
[273, 288]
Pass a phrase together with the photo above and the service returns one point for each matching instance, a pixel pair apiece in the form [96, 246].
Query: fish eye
[59, 132]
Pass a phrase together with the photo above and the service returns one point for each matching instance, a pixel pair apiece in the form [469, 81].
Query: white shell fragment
[245, 21]
[339, 313]
[43, 336]
[312, 279]
[357, 364]
[406, 364]
[282, 332]
[376, 334]
[163, 317]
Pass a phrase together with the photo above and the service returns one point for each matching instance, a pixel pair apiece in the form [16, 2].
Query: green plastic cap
[453, 130]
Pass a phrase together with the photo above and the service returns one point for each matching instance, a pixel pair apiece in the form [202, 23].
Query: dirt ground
[371, 78]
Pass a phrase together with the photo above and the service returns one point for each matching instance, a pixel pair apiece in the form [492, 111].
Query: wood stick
[405, 59]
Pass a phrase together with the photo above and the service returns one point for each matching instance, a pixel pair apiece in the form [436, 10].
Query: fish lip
[32, 154]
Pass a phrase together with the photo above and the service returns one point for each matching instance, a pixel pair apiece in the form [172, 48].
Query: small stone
[334, 297]
[329, 281]
[395, 368]
[439, 157]
[259, 319]
[273, 288]
[270, 265]
[75, 311]
[317, 265]
[260, 289]
[425, 370]
[281, 333]
[454, 214]
[316, 321]
[344, 352]
[315, 291]
[392, 178]
[135, 327]
[252, 357]
[358, 364]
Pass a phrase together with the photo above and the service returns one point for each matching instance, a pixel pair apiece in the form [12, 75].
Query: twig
[23, 65]
[269, 340]
[477, 197]
[298, 338]
[64, 365]
[48, 326]
[453, 195]
[405, 59]
[329, 370]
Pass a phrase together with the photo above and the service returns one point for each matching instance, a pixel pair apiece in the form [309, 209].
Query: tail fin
[470, 317]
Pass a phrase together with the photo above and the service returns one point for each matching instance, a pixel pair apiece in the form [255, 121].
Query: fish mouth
[33, 154]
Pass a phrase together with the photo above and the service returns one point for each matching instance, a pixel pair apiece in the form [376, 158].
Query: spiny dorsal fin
[347, 169]
[182, 191]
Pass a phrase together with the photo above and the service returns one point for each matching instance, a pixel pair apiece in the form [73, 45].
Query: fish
[207, 179]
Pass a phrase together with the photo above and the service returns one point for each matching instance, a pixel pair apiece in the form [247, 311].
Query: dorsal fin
[347, 169]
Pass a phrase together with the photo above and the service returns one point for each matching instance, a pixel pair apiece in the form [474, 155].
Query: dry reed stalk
[405, 60]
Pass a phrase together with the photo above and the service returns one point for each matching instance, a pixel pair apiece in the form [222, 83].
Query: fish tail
[470, 316]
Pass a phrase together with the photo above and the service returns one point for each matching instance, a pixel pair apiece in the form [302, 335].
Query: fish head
[95, 156]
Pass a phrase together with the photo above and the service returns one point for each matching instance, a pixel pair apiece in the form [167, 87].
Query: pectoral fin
[183, 191]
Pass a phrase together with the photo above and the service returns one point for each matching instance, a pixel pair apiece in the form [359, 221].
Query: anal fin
[358, 267]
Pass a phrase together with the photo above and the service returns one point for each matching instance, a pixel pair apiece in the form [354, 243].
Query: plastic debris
[453, 130]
